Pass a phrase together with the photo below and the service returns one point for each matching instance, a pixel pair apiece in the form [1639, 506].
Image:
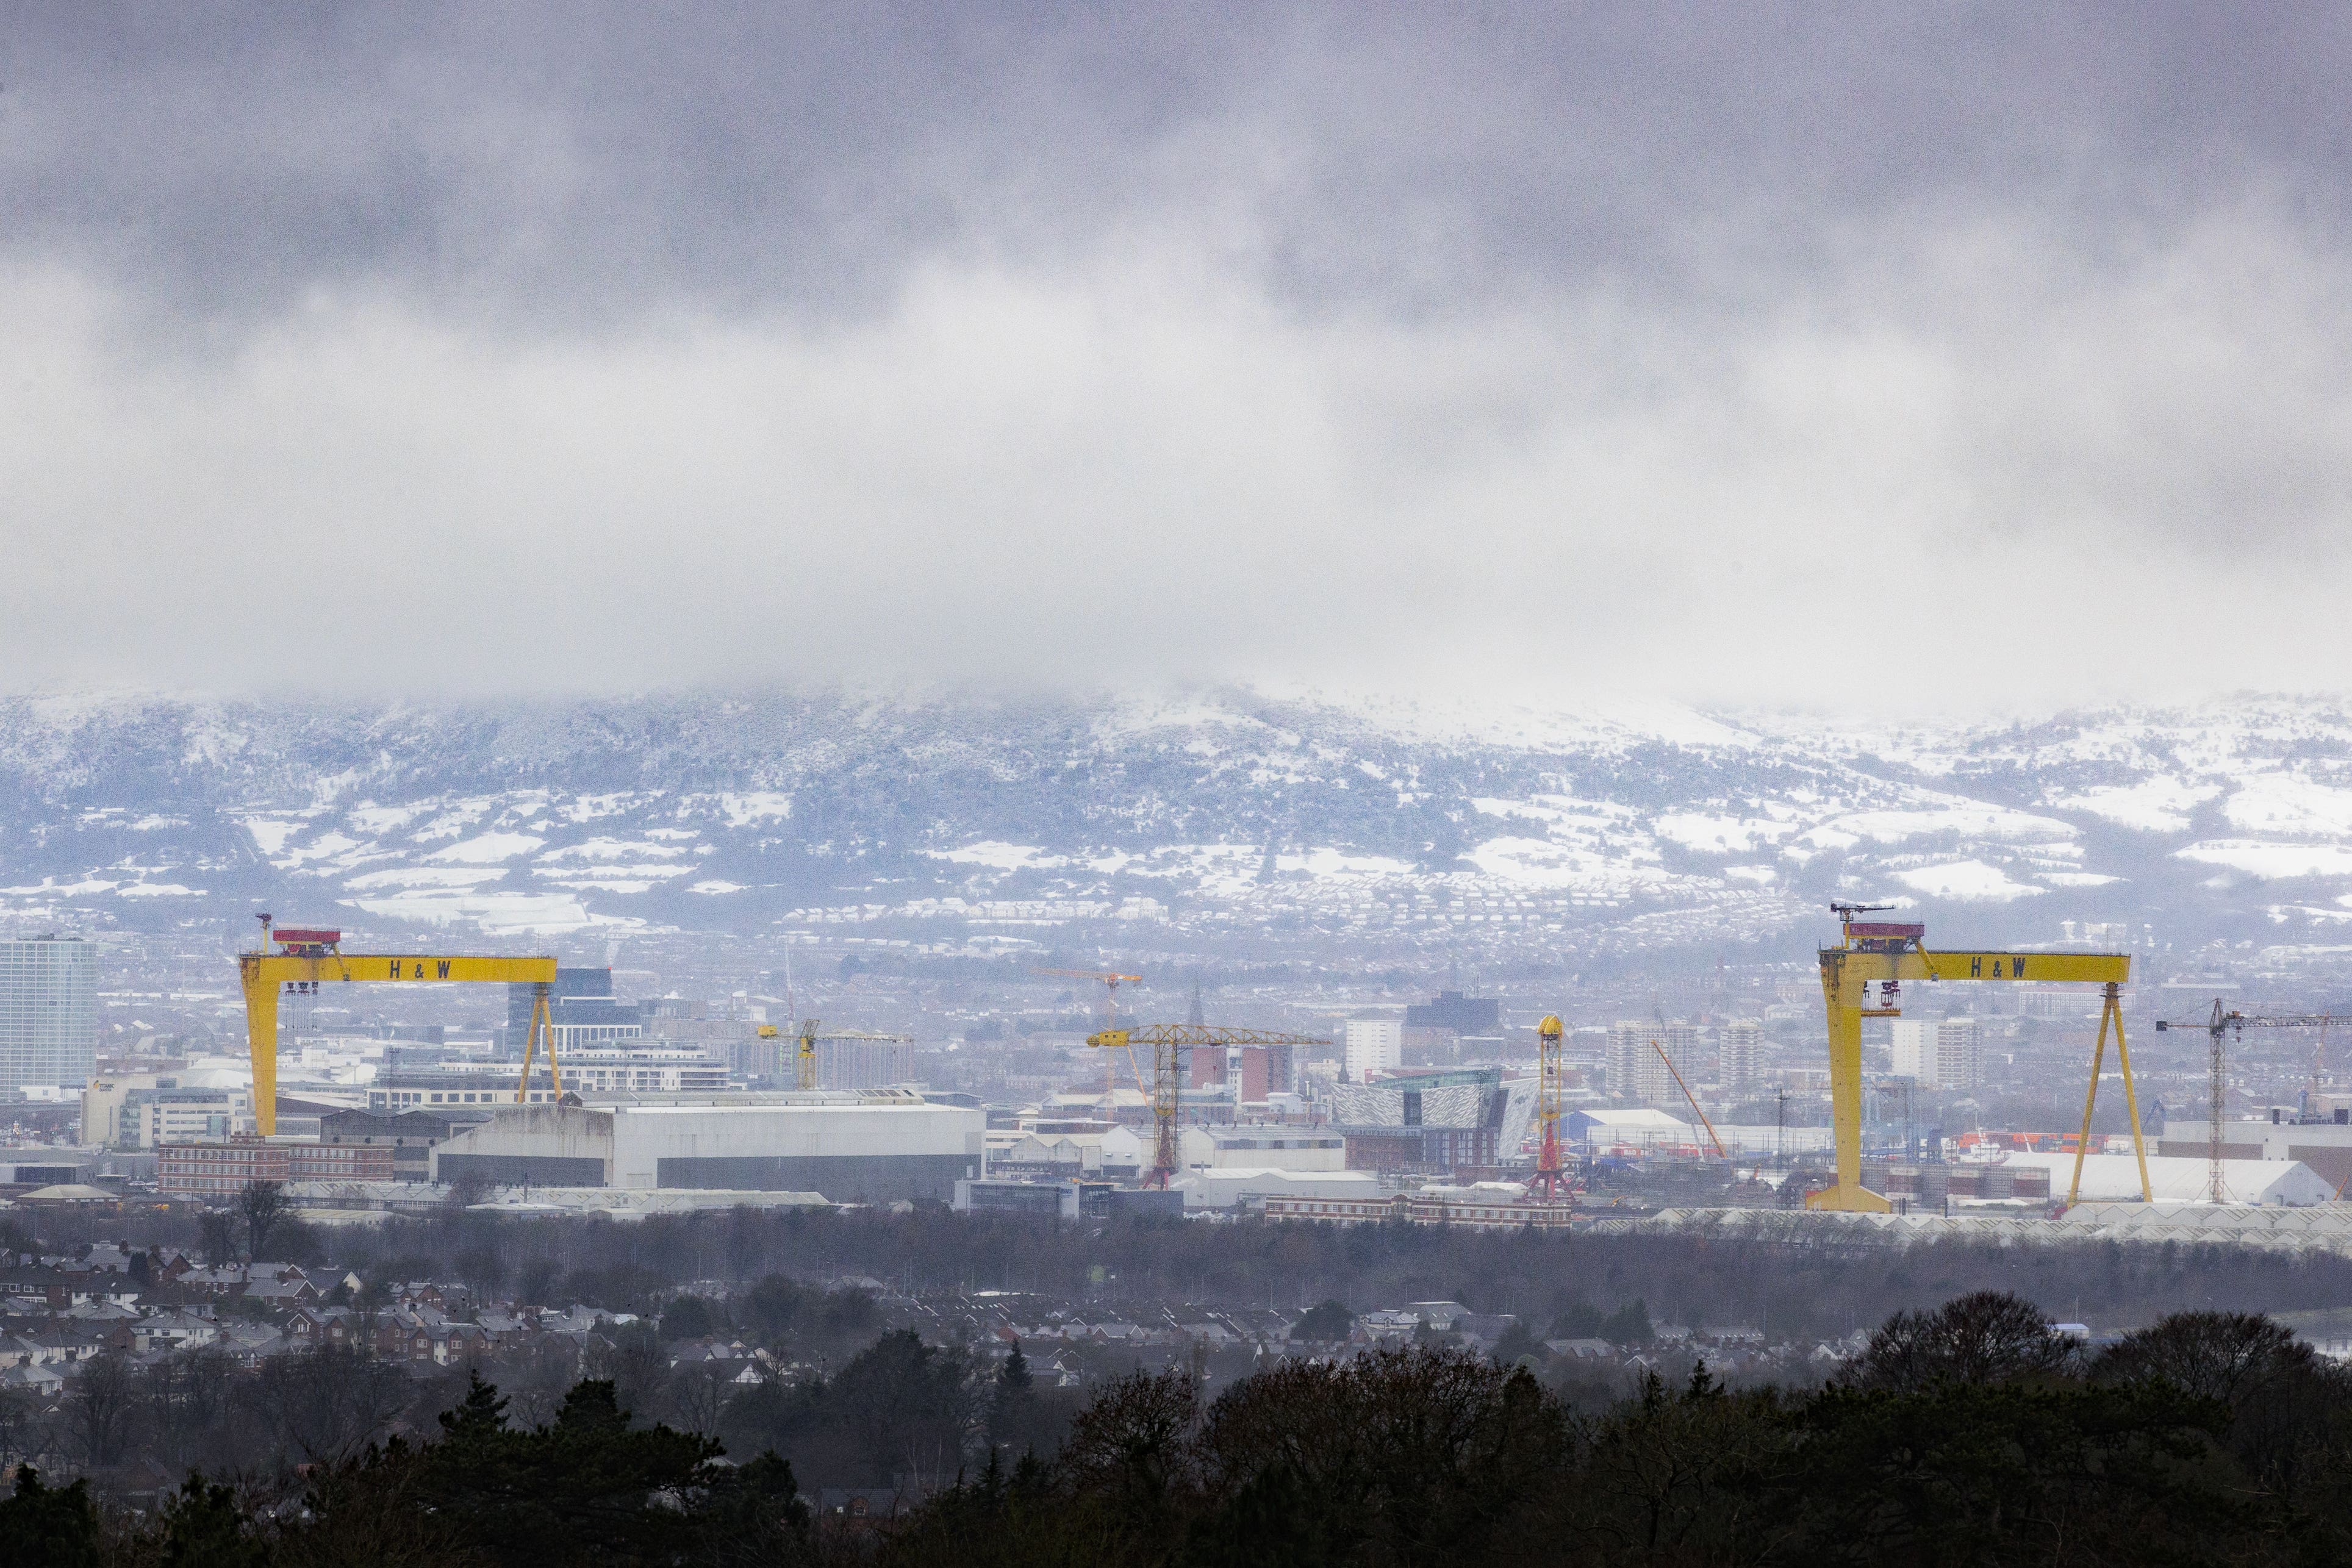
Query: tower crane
[2224, 1022]
[805, 1057]
[1878, 956]
[1111, 981]
[308, 957]
[1169, 1042]
[1548, 1176]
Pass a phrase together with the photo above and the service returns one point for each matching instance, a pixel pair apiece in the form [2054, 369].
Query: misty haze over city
[1238, 785]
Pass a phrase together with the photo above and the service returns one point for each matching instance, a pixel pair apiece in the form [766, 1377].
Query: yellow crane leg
[2090, 1100]
[2131, 1095]
[261, 1042]
[1845, 1112]
[2111, 1015]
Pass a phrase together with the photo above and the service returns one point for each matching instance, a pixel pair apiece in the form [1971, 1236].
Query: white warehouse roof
[2179, 1179]
[1225, 1186]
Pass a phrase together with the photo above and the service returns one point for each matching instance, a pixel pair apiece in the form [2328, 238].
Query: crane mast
[1549, 1176]
[1111, 981]
[2221, 1022]
[805, 1052]
[1169, 1042]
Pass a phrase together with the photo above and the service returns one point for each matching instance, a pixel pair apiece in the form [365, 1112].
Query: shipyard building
[880, 1147]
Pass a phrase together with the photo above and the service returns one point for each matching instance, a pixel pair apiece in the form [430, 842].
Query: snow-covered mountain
[1184, 821]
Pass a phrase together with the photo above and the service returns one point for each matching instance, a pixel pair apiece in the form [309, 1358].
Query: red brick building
[221, 1170]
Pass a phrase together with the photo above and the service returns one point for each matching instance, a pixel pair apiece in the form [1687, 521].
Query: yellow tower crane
[1881, 955]
[805, 1057]
[1169, 1042]
[1111, 981]
[308, 959]
[1549, 1177]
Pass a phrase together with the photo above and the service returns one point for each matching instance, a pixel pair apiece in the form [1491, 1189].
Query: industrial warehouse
[881, 1146]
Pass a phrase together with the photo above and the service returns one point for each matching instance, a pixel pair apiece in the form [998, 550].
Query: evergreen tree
[1324, 1325]
[204, 1527]
[48, 1527]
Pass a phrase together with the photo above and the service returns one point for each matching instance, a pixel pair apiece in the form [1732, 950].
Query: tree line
[1792, 1279]
[1971, 1434]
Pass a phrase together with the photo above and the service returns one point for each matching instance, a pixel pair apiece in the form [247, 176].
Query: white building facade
[1374, 1046]
[1638, 1072]
[48, 1012]
[1741, 1042]
[1938, 1053]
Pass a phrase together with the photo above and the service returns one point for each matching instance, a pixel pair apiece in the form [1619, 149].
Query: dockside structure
[878, 1147]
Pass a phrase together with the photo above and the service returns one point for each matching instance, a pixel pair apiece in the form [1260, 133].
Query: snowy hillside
[1180, 822]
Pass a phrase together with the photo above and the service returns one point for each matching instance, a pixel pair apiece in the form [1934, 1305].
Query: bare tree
[17, 1410]
[535, 1380]
[324, 1406]
[103, 1403]
[263, 1204]
[483, 1268]
[217, 1236]
[1990, 1336]
[2213, 1355]
[697, 1394]
[467, 1190]
[186, 1399]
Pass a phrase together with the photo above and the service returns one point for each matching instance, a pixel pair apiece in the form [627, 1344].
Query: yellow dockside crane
[1883, 955]
[308, 959]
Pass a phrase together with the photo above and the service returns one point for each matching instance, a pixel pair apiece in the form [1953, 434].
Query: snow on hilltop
[1201, 816]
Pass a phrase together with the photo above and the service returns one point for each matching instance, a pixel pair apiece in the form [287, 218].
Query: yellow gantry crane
[1169, 1042]
[309, 958]
[1881, 955]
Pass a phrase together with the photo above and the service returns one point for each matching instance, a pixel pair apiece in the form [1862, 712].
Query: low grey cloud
[581, 347]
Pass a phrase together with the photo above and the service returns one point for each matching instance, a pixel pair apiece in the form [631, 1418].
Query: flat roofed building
[223, 1169]
[875, 1148]
[147, 1109]
[1452, 1010]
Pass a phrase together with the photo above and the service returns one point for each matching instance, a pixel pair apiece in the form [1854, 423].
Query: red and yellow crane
[1549, 1176]
[309, 958]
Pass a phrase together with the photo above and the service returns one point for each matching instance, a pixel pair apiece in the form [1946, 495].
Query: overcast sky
[1949, 356]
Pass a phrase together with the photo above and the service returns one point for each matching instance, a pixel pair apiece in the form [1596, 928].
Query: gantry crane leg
[2110, 1015]
[1846, 1109]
